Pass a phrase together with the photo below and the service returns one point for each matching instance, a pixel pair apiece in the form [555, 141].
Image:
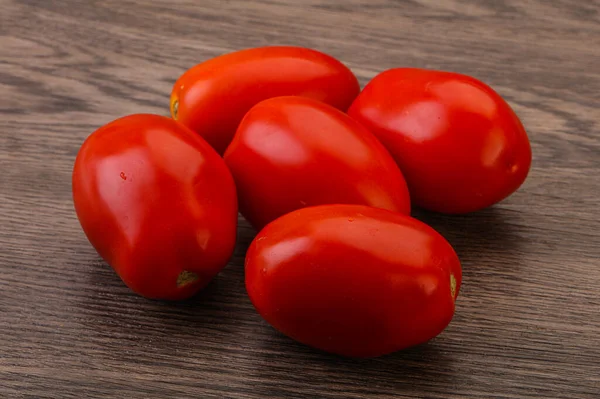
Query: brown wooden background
[528, 318]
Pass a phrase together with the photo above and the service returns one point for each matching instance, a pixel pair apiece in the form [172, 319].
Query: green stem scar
[174, 108]
[186, 278]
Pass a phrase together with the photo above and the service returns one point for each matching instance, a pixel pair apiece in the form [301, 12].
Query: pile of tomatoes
[325, 172]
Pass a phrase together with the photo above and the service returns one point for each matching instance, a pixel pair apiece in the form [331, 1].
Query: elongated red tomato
[157, 203]
[292, 152]
[353, 280]
[212, 97]
[459, 144]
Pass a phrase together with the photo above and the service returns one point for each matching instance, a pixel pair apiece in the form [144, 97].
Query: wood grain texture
[528, 318]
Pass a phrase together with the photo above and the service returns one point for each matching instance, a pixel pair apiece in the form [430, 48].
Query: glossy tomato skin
[157, 203]
[459, 144]
[212, 97]
[293, 152]
[353, 280]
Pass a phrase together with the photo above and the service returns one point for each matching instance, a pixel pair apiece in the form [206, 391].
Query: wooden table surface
[528, 318]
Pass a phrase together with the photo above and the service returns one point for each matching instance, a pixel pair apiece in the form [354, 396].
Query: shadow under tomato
[493, 247]
[479, 232]
[487, 241]
[302, 371]
[113, 314]
[202, 326]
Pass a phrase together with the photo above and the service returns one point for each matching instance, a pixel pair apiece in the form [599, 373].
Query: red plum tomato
[157, 203]
[459, 144]
[353, 280]
[293, 152]
[212, 97]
